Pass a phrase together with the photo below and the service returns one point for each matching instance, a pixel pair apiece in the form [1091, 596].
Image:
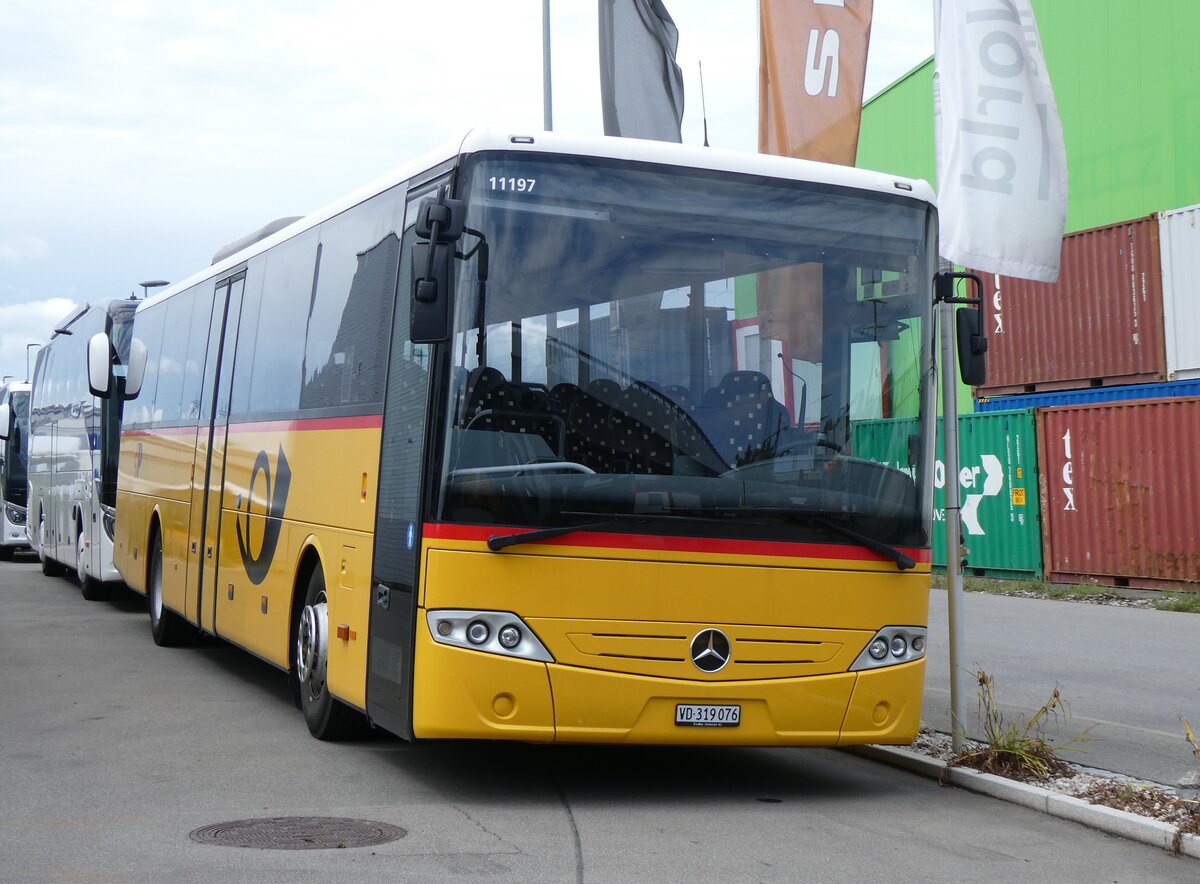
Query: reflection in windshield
[653, 342]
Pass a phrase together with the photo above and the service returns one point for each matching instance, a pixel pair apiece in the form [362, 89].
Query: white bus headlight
[890, 646]
[494, 632]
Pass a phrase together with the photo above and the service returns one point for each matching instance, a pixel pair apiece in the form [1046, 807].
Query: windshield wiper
[497, 542]
[903, 561]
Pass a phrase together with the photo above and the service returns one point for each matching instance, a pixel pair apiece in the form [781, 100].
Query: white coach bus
[14, 456]
[73, 446]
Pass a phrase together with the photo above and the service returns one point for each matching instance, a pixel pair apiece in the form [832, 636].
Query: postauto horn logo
[276, 495]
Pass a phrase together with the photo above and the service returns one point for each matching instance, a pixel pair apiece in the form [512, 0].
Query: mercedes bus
[14, 458]
[74, 437]
[549, 438]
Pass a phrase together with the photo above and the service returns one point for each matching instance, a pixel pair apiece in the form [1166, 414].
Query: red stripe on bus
[443, 531]
[357, 422]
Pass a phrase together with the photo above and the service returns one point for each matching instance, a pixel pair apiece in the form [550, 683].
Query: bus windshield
[17, 460]
[646, 349]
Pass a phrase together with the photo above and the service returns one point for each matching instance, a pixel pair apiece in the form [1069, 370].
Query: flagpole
[954, 577]
[547, 102]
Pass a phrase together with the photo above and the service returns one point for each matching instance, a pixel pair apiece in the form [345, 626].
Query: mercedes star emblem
[710, 650]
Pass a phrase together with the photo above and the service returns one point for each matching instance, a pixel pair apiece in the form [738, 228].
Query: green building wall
[1126, 77]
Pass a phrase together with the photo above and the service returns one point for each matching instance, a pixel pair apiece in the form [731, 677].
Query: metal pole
[954, 582]
[28, 373]
[547, 102]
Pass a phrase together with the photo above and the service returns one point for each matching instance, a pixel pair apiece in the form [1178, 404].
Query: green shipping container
[998, 487]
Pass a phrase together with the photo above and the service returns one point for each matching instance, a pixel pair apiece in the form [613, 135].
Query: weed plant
[1017, 749]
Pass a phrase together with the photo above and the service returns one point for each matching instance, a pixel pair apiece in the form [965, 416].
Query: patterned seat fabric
[741, 417]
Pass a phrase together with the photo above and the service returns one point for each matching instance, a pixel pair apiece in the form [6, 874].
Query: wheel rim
[80, 548]
[312, 647]
[156, 602]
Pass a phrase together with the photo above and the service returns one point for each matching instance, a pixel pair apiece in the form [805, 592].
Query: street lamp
[28, 373]
[151, 284]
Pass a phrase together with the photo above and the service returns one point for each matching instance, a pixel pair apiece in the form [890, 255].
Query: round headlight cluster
[493, 632]
[878, 649]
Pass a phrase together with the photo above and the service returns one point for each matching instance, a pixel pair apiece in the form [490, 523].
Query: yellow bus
[549, 438]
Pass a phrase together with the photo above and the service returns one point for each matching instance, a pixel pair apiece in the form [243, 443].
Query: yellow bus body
[618, 623]
[330, 513]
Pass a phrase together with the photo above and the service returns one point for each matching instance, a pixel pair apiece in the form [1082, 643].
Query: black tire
[168, 628]
[327, 718]
[6, 553]
[93, 590]
[50, 567]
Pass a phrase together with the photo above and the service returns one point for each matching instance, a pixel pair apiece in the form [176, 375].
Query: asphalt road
[112, 751]
[1127, 674]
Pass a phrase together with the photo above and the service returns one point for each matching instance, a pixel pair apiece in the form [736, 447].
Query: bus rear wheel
[167, 627]
[326, 717]
[93, 590]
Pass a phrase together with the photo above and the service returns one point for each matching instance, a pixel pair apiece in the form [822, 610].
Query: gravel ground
[1178, 807]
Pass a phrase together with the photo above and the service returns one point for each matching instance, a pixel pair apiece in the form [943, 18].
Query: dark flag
[641, 86]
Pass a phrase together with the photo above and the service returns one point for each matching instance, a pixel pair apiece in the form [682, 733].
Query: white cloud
[23, 248]
[138, 136]
[24, 324]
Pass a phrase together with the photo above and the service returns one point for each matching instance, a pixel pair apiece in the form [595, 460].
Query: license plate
[707, 715]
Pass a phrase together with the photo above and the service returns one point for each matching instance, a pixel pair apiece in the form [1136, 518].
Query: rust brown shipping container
[1120, 492]
[1100, 324]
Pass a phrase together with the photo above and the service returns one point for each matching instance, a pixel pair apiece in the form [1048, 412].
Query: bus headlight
[494, 632]
[890, 646]
[14, 514]
[509, 637]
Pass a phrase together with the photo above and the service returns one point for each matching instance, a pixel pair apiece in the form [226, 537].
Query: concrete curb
[1106, 819]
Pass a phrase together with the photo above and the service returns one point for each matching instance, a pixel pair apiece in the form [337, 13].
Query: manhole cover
[298, 833]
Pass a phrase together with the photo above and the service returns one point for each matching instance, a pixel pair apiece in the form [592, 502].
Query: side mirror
[137, 368]
[99, 362]
[6, 420]
[972, 345]
[968, 326]
[429, 318]
[440, 224]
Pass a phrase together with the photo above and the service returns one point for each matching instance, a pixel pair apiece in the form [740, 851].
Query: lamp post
[28, 373]
[151, 284]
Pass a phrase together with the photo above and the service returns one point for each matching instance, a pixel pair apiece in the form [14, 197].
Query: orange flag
[813, 61]
[812, 66]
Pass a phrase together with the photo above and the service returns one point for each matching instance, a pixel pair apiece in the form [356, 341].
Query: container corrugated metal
[1092, 394]
[1179, 243]
[1120, 490]
[998, 487]
[1100, 324]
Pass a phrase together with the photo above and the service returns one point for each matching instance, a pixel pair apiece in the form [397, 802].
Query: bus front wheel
[327, 718]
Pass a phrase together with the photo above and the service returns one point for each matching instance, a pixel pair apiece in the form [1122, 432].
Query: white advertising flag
[1001, 163]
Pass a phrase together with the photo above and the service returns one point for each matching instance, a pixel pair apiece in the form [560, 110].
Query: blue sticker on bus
[412, 535]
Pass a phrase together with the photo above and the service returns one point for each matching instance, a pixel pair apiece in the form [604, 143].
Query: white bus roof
[631, 149]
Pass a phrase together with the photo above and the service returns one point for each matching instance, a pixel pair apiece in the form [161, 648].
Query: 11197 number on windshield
[707, 715]
[512, 185]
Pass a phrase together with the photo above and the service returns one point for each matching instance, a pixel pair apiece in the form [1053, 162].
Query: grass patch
[1034, 588]
[1188, 602]
[1017, 749]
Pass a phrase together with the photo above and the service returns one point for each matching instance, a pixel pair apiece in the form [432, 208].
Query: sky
[139, 136]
